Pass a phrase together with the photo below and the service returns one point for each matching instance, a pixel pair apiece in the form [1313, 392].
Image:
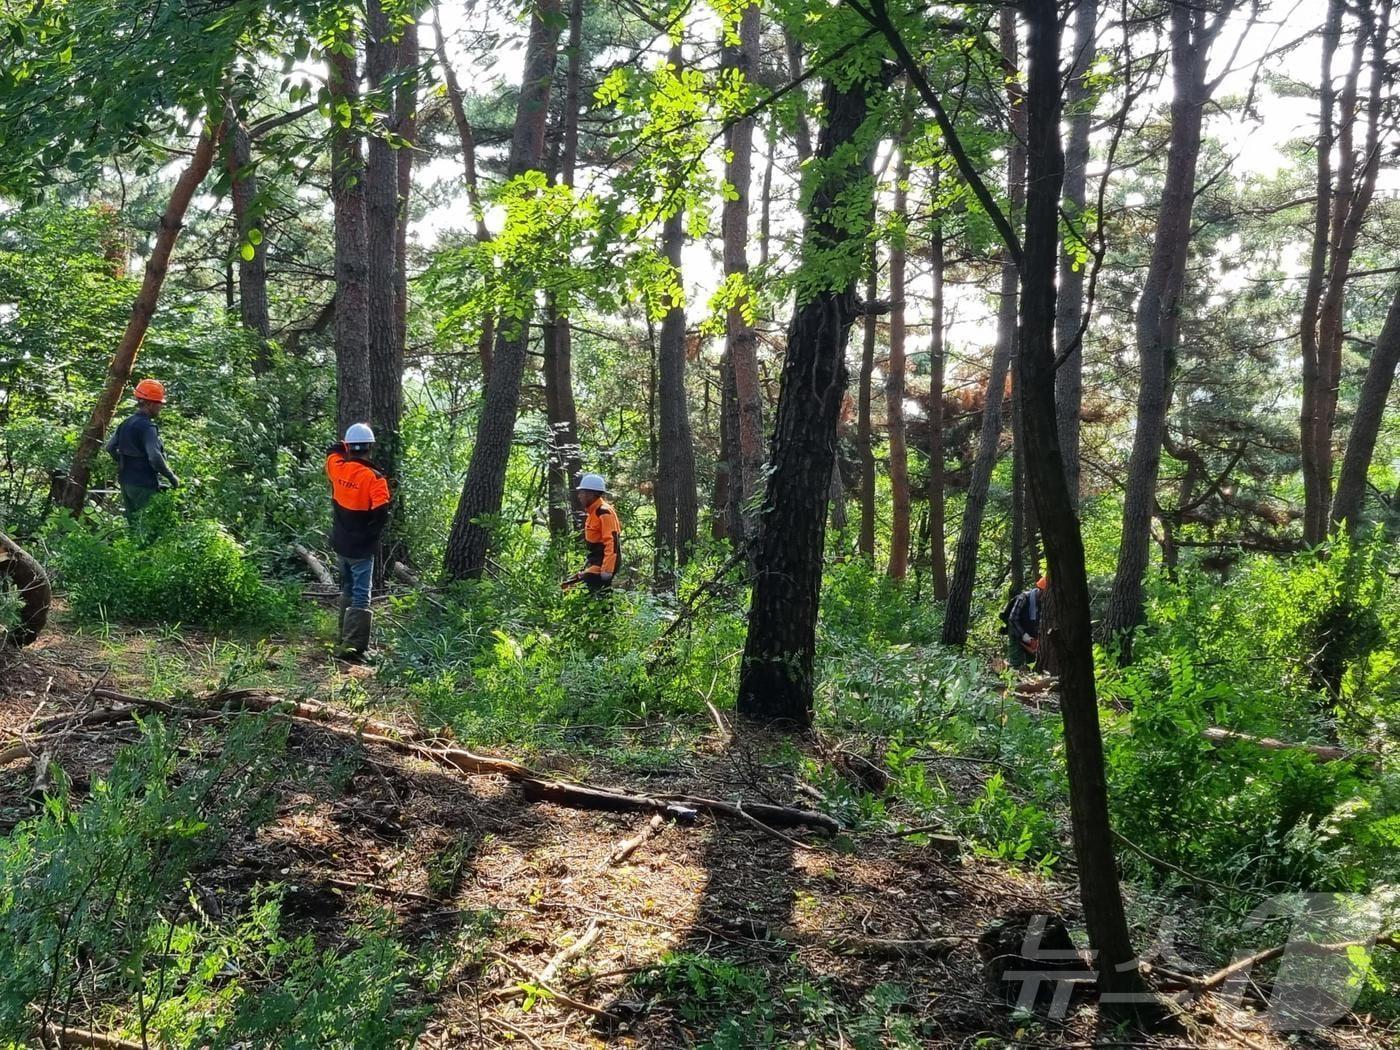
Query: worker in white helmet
[602, 533]
[360, 510]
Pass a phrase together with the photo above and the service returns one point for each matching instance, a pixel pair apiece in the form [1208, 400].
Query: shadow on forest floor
[709, 934]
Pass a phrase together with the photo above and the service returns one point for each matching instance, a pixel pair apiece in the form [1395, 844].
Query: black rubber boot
[354, 638]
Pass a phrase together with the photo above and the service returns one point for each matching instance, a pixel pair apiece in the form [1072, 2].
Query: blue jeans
[356, 578]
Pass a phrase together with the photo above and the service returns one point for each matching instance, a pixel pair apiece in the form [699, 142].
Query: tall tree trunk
[467, 137]
[72, 491]
[1099, 889]
[865, 436]
[776, 675]
[676, 511]
[959, 609]
[741, 341]
[406, 120]
[1341, 211]
[484, 487]
[1158, 315]
[1366, 425]
[352, 360]
[252, 252]
[793, 45]
[765, 220]
[381, 243]
[894, 374]
[565, 455]
[937, 528]
[1069, 309]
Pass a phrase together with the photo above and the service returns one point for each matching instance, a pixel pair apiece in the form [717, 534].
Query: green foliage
[735, 1006]
[81, 885]
[1254, 657]
[166, 571]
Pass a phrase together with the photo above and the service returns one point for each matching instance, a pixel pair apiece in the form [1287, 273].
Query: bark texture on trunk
[381, 244]
[484, 487]
[741, 341]
[467, 136]
[1069, 309]
[937, 527]
[1099, 889]
[964, 581]
[1346, 183]
[565, 455]
[865, 429]
[72, 490]
[1366, 424]
[252, 268]
[352, 363]
[676, 505]
[776, 676]
[1158, 314]
[894, 373]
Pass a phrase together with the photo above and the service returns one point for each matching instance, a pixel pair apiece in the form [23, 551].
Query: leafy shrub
[167, 571]
[80, 886]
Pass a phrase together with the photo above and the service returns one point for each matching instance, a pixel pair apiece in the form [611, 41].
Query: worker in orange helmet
[1023, 624]
[602, 534]
[139, 452]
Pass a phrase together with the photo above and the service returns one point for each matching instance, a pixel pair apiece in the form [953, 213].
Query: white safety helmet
[359, 434]
[592, 483]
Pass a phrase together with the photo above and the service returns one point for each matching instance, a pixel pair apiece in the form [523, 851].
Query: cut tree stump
[28, 577]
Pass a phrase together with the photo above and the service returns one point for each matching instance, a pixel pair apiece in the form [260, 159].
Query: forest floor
[713, 933]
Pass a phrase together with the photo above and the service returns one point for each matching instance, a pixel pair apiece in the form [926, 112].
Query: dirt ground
[522, 884]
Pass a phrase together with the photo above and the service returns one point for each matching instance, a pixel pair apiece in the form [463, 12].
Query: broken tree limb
[773, 816]
[403, 572]
[537, 788]
[83, 1037]
[627, 847]
[580, 796]
[1325, 752]
[1201, 985]
[315, 566]
[565, 956]
[1167, 865]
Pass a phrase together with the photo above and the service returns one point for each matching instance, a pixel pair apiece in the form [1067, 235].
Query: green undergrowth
[165, 570]
[726, 1005]
[104, 917]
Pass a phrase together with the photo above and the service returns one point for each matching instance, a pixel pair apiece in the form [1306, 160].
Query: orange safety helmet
[150, 390]
[1043, 582]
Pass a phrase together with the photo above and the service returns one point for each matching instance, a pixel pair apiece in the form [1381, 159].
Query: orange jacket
[359, 503]
[602, 533]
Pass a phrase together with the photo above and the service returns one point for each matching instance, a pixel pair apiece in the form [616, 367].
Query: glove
[605, 577]
[1033, 646]
[1027, 639]
[175, 481]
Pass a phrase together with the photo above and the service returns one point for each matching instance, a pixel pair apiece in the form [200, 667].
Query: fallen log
[1325, 752]
[315, 566]
[1201, 985]
[580, 796]
[537, 787]
[404, 573]
[629, 846]
[35, 594]
[83, 1037]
